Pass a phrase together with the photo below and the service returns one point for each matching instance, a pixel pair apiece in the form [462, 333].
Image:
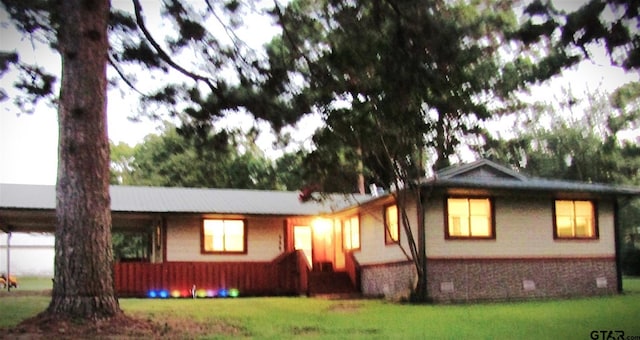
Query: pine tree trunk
[83, 281]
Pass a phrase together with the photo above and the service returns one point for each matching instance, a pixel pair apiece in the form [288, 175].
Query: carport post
[9, 260]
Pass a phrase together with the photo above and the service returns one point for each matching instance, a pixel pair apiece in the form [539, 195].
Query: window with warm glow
[469, 218]
[224, 236]
[391, 226]
[351, 233]
[575, 219]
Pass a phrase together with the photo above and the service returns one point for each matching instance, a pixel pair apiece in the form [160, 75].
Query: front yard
[308, 317]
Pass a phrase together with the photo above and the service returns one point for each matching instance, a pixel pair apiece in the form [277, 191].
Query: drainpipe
[422, 244]
[617, 241]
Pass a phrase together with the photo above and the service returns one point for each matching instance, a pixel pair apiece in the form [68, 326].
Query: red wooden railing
[352, 267]
[286, 275]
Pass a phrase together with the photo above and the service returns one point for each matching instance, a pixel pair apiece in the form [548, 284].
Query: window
[575, 219]
[391, 226]
[351, 233]
[469, 218]
[224, 236]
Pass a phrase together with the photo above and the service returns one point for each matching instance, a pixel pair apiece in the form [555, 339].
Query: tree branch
[123, 76]
[163, 55]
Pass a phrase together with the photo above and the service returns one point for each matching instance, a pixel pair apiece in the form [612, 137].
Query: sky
[28, 142]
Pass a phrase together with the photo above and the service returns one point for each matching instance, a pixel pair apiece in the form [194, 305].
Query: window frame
[224, 252]
[492, 217]
[344, 238]
[388, 240]
[594, 221]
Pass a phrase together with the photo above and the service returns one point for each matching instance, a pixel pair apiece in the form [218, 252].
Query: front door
[323, 250]
[316, 241]
[302, 241]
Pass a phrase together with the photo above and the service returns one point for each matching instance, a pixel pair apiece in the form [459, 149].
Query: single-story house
[490, 232]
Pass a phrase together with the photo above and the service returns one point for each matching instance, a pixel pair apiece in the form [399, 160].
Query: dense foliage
[227, 159]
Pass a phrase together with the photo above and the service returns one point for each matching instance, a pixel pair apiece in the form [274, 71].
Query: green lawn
[307, 317]
[34, 283]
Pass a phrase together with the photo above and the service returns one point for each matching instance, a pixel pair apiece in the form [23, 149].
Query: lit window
[575, 219]
[469, 217]
[391, 226]
[221, 236]
[351, 233]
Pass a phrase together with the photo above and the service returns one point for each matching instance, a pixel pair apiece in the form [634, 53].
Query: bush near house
[631, 261]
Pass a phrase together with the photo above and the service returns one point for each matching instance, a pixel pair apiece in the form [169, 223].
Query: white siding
[265, 240]
[373, 248]
[524, 228]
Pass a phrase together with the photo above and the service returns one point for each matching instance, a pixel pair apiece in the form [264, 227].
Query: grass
[314, 318]
[34, 283]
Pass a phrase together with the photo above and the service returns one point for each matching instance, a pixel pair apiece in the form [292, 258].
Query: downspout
[422, 243]
[617, 242]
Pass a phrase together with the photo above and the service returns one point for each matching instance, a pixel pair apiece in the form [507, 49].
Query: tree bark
[83, 280]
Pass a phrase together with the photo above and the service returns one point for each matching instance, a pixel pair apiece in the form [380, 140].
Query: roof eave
[595, 189]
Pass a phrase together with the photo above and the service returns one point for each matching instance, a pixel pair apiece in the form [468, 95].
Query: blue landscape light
[152, 294]
[163, 294]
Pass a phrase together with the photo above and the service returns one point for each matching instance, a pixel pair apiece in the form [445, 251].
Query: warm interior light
[469, 217]
[321, 226]
[302, 241]
[224, 235]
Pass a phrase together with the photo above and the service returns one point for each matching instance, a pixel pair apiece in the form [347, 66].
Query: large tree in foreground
[83, 255]
[81, 32]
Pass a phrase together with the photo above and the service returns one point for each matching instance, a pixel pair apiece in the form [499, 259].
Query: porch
[288, 274]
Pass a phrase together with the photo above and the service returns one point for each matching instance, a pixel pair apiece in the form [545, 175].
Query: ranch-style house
[491, 233]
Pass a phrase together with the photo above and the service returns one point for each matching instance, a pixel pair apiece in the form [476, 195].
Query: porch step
[331, 285]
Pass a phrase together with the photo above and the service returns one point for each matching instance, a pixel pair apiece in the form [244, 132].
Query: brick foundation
[392, 281]
[468, 280]
[462, 280]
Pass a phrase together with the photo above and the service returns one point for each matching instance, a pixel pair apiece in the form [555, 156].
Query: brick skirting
[468, 280]
[463, 280]
[392, 281]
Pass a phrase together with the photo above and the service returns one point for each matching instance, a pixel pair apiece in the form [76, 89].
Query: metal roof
[485, 174]
[538, 184]
[186, 200]
[482, 174]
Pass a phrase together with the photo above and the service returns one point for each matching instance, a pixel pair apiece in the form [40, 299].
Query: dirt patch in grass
[305, 330]
[119, 327]
[346, 307]
[18, 293]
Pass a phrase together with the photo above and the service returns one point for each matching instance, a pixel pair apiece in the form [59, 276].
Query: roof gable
[487, 175]
[480, 170]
